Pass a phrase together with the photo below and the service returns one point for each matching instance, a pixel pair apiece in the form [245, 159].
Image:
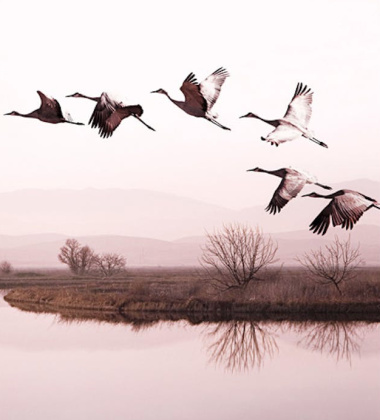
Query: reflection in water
[337, 338]
[104, 369]
[240, 345]
[243, 345]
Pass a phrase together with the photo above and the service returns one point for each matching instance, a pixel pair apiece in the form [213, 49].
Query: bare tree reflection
[240, 345]
[337, 338]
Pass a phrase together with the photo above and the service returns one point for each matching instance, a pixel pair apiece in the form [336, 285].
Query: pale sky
[131, 49]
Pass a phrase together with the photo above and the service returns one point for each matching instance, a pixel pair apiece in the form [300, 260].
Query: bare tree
[80, 259]
[233, 256]
[110, 264]
[6, 267]
[334, 264]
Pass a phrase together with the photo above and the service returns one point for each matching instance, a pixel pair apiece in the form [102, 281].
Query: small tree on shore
[80, 259]
[234, 255]
[334, 264]
[110, 264]
[6, 267]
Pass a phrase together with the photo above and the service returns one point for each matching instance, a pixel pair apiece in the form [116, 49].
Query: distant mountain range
[126, 221]
[42, 250]
[153, 214]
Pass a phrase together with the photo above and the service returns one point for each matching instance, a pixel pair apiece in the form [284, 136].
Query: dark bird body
[345, 208]
[291, 184]
[200, 97]
[50, 111]
[108, 113]
[295, 122]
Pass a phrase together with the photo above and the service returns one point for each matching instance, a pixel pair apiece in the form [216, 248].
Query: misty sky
[131, 49]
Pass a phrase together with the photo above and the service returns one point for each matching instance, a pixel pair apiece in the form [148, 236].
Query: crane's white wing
[345, 210]
[289, 188]
[299, 109]
[348, 209]
[211, 86]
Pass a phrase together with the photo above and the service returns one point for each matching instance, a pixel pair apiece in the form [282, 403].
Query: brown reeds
[186, 291]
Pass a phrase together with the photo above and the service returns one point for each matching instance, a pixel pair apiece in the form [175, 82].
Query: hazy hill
[42, 250]
[153, 214]
[125, 221]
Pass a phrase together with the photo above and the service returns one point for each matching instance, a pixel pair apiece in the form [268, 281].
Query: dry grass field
[280, 292]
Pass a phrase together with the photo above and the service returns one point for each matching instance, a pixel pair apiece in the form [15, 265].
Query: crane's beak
[244, 116]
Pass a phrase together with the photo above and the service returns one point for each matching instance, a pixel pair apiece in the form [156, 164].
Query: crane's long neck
[33, 114]
[180, 104]
[92, 98]
[279, 172]
[274, 123]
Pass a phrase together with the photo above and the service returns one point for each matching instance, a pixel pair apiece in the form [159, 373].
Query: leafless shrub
[6, 267]
[80, 259]
[333, 264]
[234, 255]
[110, 264]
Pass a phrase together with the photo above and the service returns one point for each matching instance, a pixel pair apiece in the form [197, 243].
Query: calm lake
[54, 369]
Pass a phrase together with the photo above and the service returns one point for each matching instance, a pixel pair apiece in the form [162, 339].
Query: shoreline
[184, 293]
[197, 309]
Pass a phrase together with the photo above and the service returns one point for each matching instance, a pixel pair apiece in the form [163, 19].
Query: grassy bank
[285, 293]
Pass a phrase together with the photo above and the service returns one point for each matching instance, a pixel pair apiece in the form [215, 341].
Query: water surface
[53, 369]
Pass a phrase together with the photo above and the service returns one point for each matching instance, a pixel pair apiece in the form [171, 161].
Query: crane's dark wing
[117, 116]
[299, 109]
[211, 86]
[345, 210]
[102, 111]
[322, 222]
[110, 125]
[191, 90]
[50, 106]
[289, 188]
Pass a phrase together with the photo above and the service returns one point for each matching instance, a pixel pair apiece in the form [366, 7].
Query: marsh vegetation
[280, 291]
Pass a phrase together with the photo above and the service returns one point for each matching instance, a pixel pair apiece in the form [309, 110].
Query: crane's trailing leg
[318, 142]
[326, 187]
[76, 123]
[146, 125]
[218, 124]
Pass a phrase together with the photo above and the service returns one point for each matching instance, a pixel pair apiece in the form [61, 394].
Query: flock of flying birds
[346, 206]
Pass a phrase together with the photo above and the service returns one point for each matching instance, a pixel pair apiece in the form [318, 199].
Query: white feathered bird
[295, 122]
[345, 209]
[291, 184]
